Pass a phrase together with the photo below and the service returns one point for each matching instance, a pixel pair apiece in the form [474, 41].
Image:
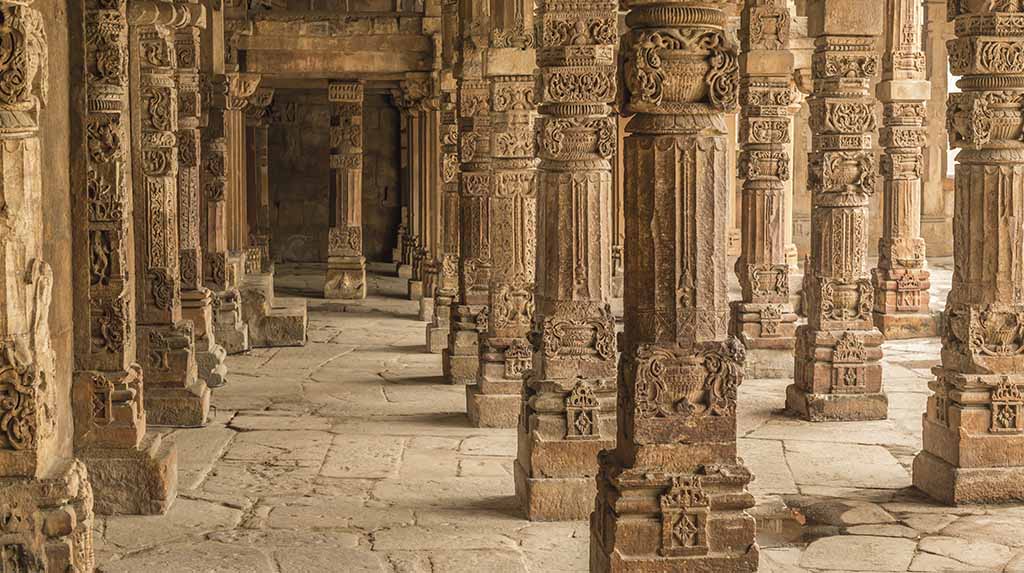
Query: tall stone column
[272, 321]
[789, 187]
[45, 492]
[346, 267]
[196, 299]
[838, 375]
[672, 494]
[764, 319]
[175, 396]
[447, 287]
[901, 281]
[220, 276]
[461, 360]
[618, 208]
[131, 472]
[937, 191]
[419, 107]
[569, 398]
[974, 424]
[495, 400]
[432, 193]
[241, 87]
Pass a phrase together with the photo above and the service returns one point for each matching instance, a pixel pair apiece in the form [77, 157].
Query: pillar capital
[239, 88]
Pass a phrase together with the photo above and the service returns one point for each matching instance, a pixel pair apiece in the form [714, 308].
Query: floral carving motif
[19, 385]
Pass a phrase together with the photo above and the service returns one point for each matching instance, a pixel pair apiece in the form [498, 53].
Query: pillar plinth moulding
[672, 494]
[764, 319]
[346, 266]
[569, 397]
[447, 285]
[974, 424]
[132, 472]
[901, 281]
[461, 360]
[838, 376]
[175, 396]
[509, 199]
[45, 492]
[196, 299]
[272, 321]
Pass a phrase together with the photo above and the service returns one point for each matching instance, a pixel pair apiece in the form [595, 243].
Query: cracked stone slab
[334, 513]
[975, 553]
[762, 458]
[845, 465]
[859, 553]
[205, 556]
[252, 422]
[367, 457]
[185, 518]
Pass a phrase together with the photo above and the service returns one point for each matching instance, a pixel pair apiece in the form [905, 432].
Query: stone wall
[300, 174]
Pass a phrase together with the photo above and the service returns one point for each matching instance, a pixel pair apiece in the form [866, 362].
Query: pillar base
[426, 308]
[404, 271]
[346, 279]
[437, 338]
[212, 369]
[555, 499]
[494, 404]
[836, 407]
[230, 330]
[414, 290]
[905, 326]
[178, 407]
[461, 360]
[61, 539]
[273, 322]
[133, 481]
[634, 525]
[769, 363]
[175, 395]
[951, 485]
[196, 305]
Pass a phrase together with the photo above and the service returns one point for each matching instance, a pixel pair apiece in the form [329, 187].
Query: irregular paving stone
[281, 448]
[882, 432]
[762, 459]
[556, 546]
[929, 562]
[338, 513]
[844, 513]
[478, 467]
[484, 493]
[929, 523]
[490, 560]
[859, 553]
[367, 457]
[204, 556]
[257, 480]
[186, 518]
[321, 559]
[498, 445]
[291, 539]
[1004, 530]
[884, 531]
[249, 422]
[844, 465]
[780, 560]
[198, 450]
[975, 553]
[441, 537]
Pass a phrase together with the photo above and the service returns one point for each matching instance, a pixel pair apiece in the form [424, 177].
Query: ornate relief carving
[582, 413]
[685, 508]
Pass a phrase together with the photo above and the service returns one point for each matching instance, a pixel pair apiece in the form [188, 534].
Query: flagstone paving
[352, 455]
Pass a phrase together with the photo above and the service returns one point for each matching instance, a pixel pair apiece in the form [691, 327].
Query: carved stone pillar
[901, 281]
[974, 424]
[131, 472]
[789, 188]
[432, 192]
[272, 321]
[618, 208]
[219, 274]
[461, 360]
[937, 191]
[196, 299]
[569, 398]
[764, 319]
[45, 494]
[672, 494]
[175, 396]
[838, 375]
[241, 87]
[495, 400]
[346, 267]
[419, 109]
[448, 255]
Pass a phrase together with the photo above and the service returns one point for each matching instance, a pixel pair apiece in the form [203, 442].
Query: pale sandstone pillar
[45, 493]
[937, 193]
[788, 187]
[901, 281]
[838, 375]
[196, 299]
[447, 286]
[241, 86]
[175, 396]
[346, 266]
[432, 192]
[763, 319]
[272, 322]
[672, 494]
[569, 398]
[509, 199]
[618, 207]
[974, 424]
[461, 360]
[131, 472]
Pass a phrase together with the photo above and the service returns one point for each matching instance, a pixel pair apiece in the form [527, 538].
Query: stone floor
[351, 455]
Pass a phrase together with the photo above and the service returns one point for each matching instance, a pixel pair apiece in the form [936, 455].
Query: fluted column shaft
[346, 266]
[901, 281]
[974, 425]
[672, 494]
[837, 371]
[569, 398]
[764, 319]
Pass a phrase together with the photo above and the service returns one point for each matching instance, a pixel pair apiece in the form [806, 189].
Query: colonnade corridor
[351, 454]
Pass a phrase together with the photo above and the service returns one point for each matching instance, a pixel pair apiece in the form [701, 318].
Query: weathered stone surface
[814, 465]
[859, 553]
[186, 517]
[973, 553]
[202, 556]
[363, 457]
